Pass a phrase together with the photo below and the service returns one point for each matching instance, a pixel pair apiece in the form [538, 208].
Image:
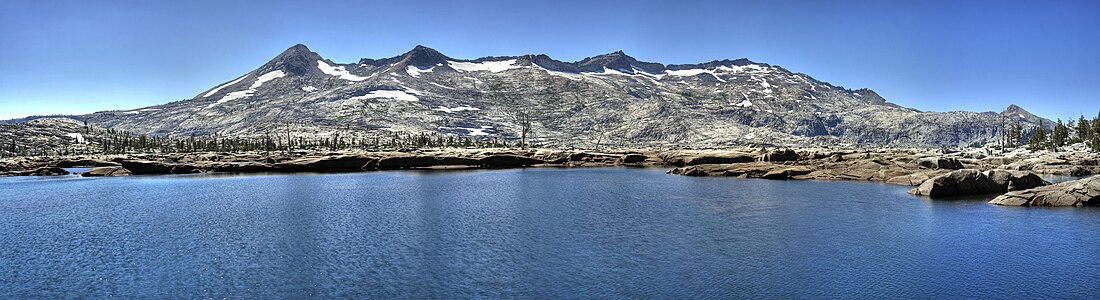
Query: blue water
[528, 233]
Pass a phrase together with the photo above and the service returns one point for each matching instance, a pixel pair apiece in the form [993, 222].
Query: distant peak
[1016, 109]
[421, 49]
[297, 60]
[1016, 112]
[620, 61]
[618, 54]
[422, 56]
[297, 49]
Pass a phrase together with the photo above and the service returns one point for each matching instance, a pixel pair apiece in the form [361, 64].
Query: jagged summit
[421, 56]
[740, 62]
[1018, 111]
[618, 61]
[1013, 108]
[297, 60]
[1015, 112]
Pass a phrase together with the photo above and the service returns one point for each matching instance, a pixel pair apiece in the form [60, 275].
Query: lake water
[528, 233]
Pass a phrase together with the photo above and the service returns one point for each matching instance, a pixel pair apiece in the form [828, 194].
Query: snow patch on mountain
[477, 131]
[694, 72]
[456, 109]
[415, 71]
[745, 68]
[220, 87]
[79, 138]
[491, 66]
[440, 85]
[233, 96]
[138, 111]
[309, 89]
[338, 71]
[269, 76]
[688, 72]
[388, 94]
[606, 71]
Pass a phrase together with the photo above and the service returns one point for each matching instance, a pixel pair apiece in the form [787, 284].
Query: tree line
[1060, 135]
[111, 141]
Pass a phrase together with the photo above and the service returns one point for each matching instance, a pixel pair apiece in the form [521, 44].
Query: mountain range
[613, 99]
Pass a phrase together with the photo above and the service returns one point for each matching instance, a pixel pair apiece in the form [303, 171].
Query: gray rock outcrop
[1083, 192]
[106, 172]
[972, 182]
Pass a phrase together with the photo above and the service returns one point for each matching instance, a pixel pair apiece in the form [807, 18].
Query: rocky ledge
[935, 174]
[1083, 192]
[315, 161]
[972, 181]
[106, 172]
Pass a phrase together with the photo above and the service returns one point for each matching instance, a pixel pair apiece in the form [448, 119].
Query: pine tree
[1095, 134]
[1059, 135]
[1016, 135]
[1038, 140]
[1084, 129]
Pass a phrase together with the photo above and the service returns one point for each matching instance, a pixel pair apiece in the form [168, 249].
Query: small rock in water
[106, 172]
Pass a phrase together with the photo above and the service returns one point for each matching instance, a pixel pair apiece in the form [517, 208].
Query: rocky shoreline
[932, 172]
[322, 161]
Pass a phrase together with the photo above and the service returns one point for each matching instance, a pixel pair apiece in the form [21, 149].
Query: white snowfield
[338, 71]
[694, 72]
[440, 85]
[456, 109]
[269, 76]
[138, 111]
[220, 87]
[477, 131]
[712, 71]
[744, 103]
[78, 137]
[416, 71]
[623, 72]
[491, 66]
[309, 89]
[388, 94]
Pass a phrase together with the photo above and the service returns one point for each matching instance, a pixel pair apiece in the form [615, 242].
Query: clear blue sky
[85, 56]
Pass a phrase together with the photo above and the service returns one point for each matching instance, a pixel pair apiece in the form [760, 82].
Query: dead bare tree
[524, 121]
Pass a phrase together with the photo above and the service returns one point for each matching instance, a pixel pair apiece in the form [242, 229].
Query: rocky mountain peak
[1013, 108]
[618, 61]
[297, 60]
[1015, 112]
[422, 56]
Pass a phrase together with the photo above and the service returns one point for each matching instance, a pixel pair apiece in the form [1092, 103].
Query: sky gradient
[69, 57]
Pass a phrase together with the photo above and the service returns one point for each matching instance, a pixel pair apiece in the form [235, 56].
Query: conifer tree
[1084, 129]
[1038, 140]
[1059, 135]
[1016, 135]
